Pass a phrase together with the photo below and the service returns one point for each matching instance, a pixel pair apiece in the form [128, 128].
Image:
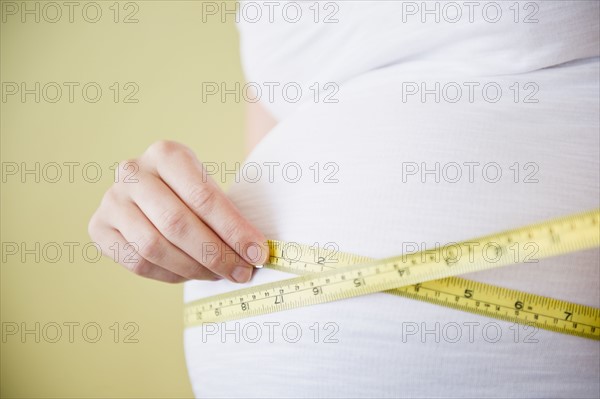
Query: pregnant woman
[419, 124]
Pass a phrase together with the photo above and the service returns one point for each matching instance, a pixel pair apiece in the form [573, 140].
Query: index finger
[179, 168]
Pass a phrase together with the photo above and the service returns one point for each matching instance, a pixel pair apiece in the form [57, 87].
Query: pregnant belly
[374, 174]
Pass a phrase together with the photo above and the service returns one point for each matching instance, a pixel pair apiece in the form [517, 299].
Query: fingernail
[256, 254]
[241, 274]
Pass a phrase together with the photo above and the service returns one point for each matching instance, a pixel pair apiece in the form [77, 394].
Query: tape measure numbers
[327, 275]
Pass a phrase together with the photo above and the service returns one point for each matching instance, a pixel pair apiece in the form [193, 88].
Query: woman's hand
[177, 220]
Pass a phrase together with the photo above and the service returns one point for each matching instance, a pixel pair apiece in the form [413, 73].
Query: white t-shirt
[519, 145]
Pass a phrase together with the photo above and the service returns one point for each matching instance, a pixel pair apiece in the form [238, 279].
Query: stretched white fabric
[371, 135]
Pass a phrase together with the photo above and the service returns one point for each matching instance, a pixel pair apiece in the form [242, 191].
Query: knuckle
[215, 264]
[201, 198]
[93, 225]
[165, 147]
[233, 230]
[109, 197]
[174, 223]
[198, 272]
[130, 254]
[126, 164]
[141, 268]
[151, 248]
[127, 172]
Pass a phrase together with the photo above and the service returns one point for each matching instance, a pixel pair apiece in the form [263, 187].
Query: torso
[370, 211]
[374, 209]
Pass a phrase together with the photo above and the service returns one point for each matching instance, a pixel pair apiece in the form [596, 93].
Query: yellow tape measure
[328, 276]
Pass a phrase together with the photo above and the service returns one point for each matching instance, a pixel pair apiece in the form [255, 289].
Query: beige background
[167, 54]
